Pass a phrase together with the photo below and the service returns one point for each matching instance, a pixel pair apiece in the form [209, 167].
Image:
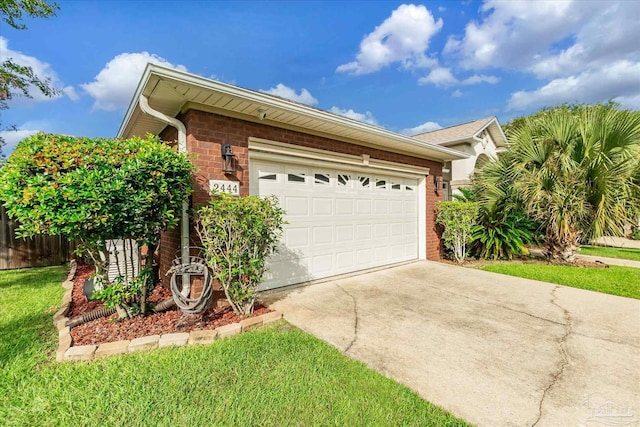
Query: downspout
[143, 102]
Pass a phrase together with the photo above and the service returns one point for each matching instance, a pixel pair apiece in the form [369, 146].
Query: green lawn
[622, 281]
[275, 375]
[604, 251]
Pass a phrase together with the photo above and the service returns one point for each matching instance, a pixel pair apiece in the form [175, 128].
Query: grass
[275, 375]
[604, 251]
[621, 281]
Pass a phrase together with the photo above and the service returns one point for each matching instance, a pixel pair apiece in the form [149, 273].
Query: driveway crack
[355, 313]
[562, 344]
[544, 319]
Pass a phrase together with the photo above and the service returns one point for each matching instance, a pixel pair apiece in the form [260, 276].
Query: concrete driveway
[492, 349]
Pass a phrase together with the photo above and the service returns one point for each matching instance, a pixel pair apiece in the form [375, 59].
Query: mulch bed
[108, 329]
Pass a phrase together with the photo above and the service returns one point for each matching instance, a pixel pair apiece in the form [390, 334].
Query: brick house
[357, 196]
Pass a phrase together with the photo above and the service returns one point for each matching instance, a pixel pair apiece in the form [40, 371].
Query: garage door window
[365, 181]
[296, 177]
[381, 184]
[322, 178]
[344, 180]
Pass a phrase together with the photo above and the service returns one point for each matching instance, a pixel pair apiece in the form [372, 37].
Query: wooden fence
[32, 252]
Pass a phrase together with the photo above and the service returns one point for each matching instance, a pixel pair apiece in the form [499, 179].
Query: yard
[621, 281]
[609, 252]
[272, 376]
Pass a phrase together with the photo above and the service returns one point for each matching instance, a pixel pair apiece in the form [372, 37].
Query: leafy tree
[93, 190]
[466, 195]
[12, 11]
[457, 220]
[238, 234]
[574, 169]
[15, 77]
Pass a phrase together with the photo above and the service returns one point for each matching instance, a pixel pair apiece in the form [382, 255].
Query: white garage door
[339, 221]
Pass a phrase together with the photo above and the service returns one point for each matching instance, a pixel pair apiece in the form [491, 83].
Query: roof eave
[439, 152]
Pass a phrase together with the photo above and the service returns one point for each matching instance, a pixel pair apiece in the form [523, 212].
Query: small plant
[118, 293]
[502, 234]
[122, 294]
[238, 234]
[457, 220]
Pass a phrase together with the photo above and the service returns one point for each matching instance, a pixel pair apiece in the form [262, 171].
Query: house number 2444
[231, 187]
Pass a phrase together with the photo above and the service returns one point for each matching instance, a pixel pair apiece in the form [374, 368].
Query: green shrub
[457, 220]
[238, 234]
[502, 234]
[95, 189]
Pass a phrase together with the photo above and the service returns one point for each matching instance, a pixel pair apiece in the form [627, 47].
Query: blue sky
[408, 67]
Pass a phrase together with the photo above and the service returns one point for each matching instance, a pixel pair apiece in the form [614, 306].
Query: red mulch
[108, 329]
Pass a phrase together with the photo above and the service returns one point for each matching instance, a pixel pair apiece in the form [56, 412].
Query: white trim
[279, 151]
[422, 218]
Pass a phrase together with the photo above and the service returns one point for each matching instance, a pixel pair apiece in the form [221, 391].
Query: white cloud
[441, 8]
[620, 81]
[424, 127]
[480, 78]
[582, 51]
[366, 117]
[403, 37]
[444, 77]
[12, 137]
[439, 77]
[511, 33]
[283, 91]
[456, 93]
[41, 69]
[115, 84]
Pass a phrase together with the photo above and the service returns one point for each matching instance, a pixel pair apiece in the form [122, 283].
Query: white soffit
[171, 92]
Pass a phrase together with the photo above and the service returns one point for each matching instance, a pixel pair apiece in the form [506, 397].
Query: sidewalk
[619, 242]
[610, 261]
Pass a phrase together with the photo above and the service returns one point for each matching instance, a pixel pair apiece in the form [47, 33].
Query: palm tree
[573, 169]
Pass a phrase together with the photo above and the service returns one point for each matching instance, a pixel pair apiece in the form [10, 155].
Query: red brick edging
[68, 352]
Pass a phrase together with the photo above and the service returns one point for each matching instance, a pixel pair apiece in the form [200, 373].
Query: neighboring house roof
[465, 132]
[173, 92]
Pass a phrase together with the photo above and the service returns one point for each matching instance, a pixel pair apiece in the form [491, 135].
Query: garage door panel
[322, 206]
[296, 206]
[345, 261]
[396, 207]
[338, 221]
[364, 206]
[345, 233]
[296, 236]
[344, 206]
[381, 207]
[322, 264]
[364, 257]
[381, 231]
[322, 235]
[363, 232]
[397, 229]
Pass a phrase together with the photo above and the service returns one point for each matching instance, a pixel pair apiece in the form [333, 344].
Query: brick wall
[206, 132]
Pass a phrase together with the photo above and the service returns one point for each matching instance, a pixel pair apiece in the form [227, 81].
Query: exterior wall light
[437, 183]
[229, 159]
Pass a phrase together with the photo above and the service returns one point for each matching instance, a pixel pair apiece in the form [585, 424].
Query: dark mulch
[108, 329]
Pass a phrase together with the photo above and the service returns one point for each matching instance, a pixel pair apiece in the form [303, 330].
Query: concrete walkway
[618, 242]
[610, 261]
[494, 350]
